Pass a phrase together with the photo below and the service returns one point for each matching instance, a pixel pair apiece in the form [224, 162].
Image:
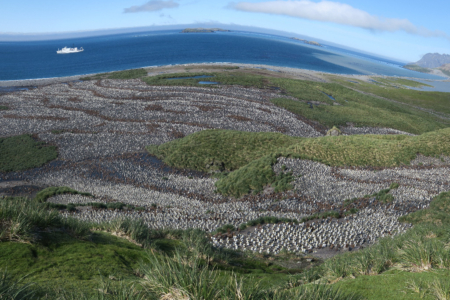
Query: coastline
[296, 73]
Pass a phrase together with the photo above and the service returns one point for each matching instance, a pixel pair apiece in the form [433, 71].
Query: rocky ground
[102, 127]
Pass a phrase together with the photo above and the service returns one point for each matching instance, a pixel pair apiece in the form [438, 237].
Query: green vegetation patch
[223, 78]
[434, 101]
[219, 150]
[249, 157]
[372, 150]
[23, 152]
[401, 82]
[46, 193]
[126, 74]
[21, 218]
[358, 108]
[2, 107]
[437, 213]
[72, 264]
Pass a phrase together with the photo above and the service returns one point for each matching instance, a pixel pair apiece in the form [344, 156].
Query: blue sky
[402, 29]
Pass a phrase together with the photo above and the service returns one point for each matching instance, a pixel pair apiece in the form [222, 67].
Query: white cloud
[153, 5]
[335, 12]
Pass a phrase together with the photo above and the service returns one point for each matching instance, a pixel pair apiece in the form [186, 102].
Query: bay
[38, 59]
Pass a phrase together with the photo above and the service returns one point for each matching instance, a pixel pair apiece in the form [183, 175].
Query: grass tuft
[46, 193]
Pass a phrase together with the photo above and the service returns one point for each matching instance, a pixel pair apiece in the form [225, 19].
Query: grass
[79, 265]
[434, 101]
[23, 152]
[225, 150]
[22, 218]
[12, 289]
[408, 266]
[46, 193]
[401, 82]
[249, 157]
[2, 107]
[437, 213]
[126, 74]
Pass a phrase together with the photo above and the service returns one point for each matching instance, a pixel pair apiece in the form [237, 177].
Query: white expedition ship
[66, 50]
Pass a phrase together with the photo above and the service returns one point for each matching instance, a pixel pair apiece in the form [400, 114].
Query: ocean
[38, 59]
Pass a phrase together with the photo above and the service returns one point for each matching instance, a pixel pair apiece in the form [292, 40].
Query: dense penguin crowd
[101, 129]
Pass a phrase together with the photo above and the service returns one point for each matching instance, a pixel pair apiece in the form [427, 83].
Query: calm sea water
[31, 60]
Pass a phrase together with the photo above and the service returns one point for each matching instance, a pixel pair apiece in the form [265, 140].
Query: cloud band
[153, 5]
[335, 12]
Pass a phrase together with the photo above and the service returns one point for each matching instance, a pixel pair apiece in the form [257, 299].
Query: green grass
[127, 74]
[22, 217]
[393, 285]
[216, 150]
[437, 213]
[2, 107]
[401, 82]
[249, 157]
[46, 193]
[435, 101]
[72, 263]
[372, 150]
[228, 78]
[23, 152]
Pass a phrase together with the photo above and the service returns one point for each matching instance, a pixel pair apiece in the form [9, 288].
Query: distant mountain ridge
[433, 60]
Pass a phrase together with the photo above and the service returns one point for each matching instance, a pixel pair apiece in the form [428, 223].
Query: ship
[66, 50]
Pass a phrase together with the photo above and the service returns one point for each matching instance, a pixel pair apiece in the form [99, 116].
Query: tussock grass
[46, 193]
[22, 219]
[23, 152]
[250, 156]
[11, 289]
[219, 149]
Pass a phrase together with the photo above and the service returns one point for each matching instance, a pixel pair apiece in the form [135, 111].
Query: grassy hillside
[435, 101]
[66, 259]
[250, 156]
[62, 265]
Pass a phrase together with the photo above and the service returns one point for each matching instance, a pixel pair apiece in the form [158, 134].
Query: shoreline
[312, 74]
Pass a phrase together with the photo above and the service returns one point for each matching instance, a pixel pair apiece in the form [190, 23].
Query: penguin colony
[102, 127]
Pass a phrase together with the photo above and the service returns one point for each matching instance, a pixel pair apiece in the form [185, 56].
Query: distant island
[307, 42]
[430, 62]
[203, 30]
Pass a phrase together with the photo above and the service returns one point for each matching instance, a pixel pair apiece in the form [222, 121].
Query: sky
[400, 29]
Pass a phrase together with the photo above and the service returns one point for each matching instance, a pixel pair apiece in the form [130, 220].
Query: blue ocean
[38, 59]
